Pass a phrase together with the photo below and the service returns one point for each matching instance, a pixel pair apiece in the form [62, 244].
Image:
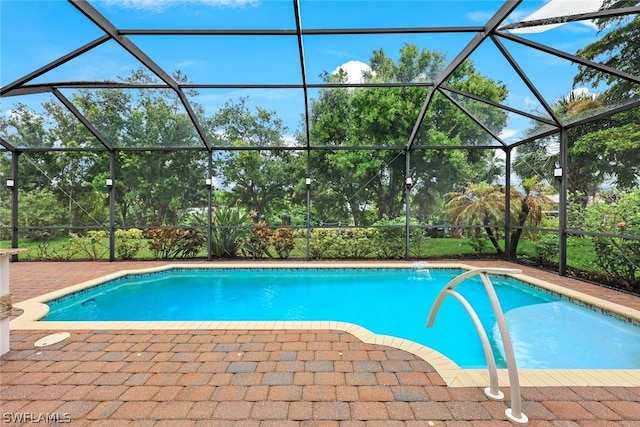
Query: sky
[34, 33]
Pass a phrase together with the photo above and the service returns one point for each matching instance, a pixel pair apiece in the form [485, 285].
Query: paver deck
[260, 378]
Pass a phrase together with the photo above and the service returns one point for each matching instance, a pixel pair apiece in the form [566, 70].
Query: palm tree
[478, 204]
[527, 208]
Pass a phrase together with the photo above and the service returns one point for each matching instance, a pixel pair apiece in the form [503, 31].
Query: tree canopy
[618, 48]
[375, 118]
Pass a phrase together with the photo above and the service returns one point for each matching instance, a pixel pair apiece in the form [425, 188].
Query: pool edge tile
[452, 374]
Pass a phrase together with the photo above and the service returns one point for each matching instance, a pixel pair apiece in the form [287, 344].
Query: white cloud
[289, 140]
[479, 16]
[508, 133]
[590, 25]
[583, 92]
[354, 70]
[159, 5]
[188, 63]
[530, 102]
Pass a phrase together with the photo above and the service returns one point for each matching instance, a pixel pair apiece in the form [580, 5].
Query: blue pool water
[547, 332]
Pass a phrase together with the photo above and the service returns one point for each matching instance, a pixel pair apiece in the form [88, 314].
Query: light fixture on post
[558, 173]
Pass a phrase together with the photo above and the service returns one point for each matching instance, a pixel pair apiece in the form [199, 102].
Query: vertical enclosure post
[562, 208]
[407, 200]
[14, 202]
[507, 204]
[209, 203]
[112, 205]
[308, 187]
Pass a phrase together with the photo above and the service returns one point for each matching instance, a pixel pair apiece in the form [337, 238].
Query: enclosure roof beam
[7, 145]
[194, 119]
[62, 149]
[498, 105]
[30, 90]
[94, 16]
[489, 28]
[304, 32]
[514, 64]
[472, 117]
[303, 71]
[493, 23]
[104, 24]
[48, 87]
[276, 148]
[573, 58]
[423, 111]
[533, 137]
[572, 18]
[6, 90]
[72, 108]
[604, 114]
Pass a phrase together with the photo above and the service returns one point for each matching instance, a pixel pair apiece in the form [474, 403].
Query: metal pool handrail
[515, 412]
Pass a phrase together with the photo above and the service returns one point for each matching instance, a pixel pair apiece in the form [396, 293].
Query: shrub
[128, 243]
[390, 238]
[94, 244]
[231, 230]
[167, 243]
[321, 241]
[479, 243]
[191, 243]
[259, 241]
[546, 249]
[355, 242]
[57, 251]
[282, 241]
[342, 243]
[617, 257]
[620, 259]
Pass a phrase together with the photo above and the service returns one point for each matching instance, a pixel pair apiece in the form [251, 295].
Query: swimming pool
[386, 301]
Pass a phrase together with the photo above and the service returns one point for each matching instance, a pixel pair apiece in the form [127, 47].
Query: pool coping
[454, 376]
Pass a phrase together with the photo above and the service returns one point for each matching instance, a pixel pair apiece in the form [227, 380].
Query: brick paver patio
[259, 378]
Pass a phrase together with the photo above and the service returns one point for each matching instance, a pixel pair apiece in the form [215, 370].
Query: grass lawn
[580, 254]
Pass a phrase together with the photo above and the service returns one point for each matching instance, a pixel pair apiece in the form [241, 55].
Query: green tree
[606, 150]
[25, 128]
[618, 48]
[535, 159]
[264, 179]
[614, 213]
[526, 209]
[483, 204]
[67, 174]
[480, 204]
[613, 150]
[154, 187]
[39, 209]
[73, 172]
[608, 147]
[385, 117]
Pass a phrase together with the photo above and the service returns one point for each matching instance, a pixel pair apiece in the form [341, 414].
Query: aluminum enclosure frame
[494, 31]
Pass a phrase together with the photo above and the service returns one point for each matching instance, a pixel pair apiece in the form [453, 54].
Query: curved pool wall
[35, 309]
